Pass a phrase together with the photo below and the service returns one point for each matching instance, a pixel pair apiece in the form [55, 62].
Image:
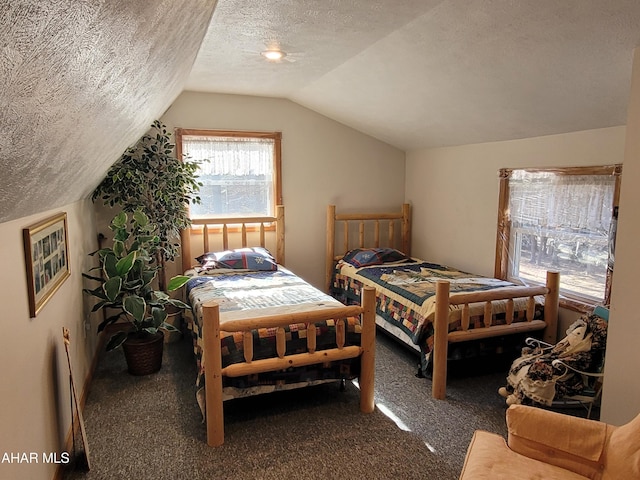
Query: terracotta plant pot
[143, 352]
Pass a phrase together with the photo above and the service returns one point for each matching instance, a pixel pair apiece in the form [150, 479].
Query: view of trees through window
[238, 172]
[565, 221]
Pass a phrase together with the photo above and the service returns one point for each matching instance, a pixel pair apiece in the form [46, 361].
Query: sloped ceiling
[429, 73]
[81, 81]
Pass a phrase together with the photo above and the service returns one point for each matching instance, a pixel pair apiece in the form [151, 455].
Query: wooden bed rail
[442, 336]
[227, 225]
[364, 220]
[213, 352]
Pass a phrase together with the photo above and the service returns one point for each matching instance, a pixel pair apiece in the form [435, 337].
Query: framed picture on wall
[46, 253]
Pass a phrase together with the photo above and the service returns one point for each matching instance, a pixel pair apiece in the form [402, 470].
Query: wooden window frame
[277, 157]
[504, 224]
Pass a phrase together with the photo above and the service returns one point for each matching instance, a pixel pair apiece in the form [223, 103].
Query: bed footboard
[213, 355]
[442, 336]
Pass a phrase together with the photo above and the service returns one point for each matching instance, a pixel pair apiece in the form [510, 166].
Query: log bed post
[185, 248]
[330, 254]
[280, 234]
[213, 375]
[212, 351]
[551, 306]
[442, 336]
[368, 345]
[227, 226]
[440, 342]
[406, 229]
[366, 221]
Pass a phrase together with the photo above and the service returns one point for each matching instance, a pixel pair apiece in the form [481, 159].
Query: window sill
[570, 302]
[578, 305]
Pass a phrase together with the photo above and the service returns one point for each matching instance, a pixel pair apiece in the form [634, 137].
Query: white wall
[35, 414]
[621, 395]
[454, 192]
[323, 162]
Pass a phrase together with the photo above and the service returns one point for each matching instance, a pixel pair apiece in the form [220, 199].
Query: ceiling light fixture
[273, 55]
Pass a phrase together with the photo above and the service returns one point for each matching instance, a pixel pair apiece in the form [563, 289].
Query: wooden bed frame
[442, 336]
[212, 327]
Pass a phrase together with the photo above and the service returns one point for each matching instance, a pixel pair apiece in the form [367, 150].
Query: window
[240, 171]
[560, 219]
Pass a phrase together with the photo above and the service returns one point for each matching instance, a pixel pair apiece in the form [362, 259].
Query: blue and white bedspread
[252, 294]
[260, 292]
[405, 298]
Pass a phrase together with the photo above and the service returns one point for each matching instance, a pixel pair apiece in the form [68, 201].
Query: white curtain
[562, 202]
[562, 222]
[222, 156]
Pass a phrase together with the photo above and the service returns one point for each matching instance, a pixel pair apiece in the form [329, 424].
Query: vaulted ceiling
[425, 73]
[83, 79]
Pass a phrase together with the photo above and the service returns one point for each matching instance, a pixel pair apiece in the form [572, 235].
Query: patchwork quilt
[406, 295]
[257, 293]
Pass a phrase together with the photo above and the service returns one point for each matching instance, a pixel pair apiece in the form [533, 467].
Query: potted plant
[125, 289]
[148, 177]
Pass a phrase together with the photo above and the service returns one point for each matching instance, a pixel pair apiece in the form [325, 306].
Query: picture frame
[46, 252]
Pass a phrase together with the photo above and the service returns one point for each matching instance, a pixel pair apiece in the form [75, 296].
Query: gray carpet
[150, 427]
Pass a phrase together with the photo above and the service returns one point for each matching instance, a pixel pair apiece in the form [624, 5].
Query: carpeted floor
[150, 427]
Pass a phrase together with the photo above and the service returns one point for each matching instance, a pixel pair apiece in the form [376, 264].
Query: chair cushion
[489, 458]
[623, 452]
[574, 443]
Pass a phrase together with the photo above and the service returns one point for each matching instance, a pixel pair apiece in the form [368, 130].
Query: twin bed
[259, 328]
[425, 305]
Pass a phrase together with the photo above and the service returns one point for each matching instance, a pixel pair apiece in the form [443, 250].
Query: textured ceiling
[80, 80]
[425, 73]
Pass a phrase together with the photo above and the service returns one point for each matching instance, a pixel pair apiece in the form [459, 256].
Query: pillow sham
[363, 257]
[248, 258]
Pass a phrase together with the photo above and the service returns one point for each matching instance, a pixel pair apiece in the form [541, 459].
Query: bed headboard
[245, 227]
[369, 226]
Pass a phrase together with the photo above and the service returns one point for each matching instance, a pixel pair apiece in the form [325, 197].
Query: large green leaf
[109, 265]
[134, 284]
[100, 305]
[161, 296]
[151, 330]
[177, 282]
[135, 306]
[148, 276]
[96, 292]
[112, 288]
[120, 220]
[124, 264]
[118, 248]
[116, 340]
[91, 277]
[169, 327]
[102, 252]
[144, 239]
[120, 235]
[159, 316]
[109, 320]
[179, 304]
[140, 218]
